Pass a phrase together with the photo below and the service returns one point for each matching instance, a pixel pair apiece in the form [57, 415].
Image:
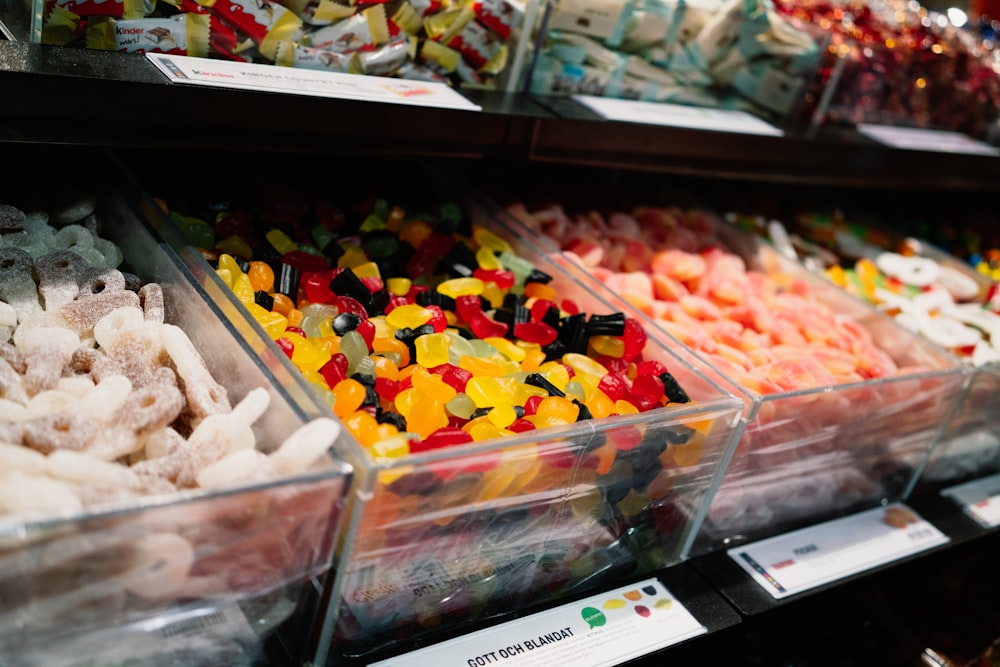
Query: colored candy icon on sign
[633, 595]
[593, 617]
[649, 590]
[665, 603]
[614, 604]
[642, 611]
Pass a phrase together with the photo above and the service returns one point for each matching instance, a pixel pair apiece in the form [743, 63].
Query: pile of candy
[941, 300]
[114, 438]
[93, 377]
[465, 43]
[426, 331]
[766, 332]
[826, 435]
[734, 54]
[898, 66]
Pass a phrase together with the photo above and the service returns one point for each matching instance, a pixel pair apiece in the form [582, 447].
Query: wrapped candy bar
[128, 9]
[184, 34]
[735, 54]
[265, 23]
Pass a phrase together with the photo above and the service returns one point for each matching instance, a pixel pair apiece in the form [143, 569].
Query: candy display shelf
[55, 95]
[71, 95]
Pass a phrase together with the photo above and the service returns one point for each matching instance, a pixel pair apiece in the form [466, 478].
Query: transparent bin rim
[308, 399]
[948, 364]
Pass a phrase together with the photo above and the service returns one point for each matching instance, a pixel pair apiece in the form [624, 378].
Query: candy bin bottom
[486, 535]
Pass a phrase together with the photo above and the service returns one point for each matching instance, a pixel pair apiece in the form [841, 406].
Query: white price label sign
[919, 139]
[807, 558]
[297, 81]
[677, 115]
[980, 499]
[599, 631]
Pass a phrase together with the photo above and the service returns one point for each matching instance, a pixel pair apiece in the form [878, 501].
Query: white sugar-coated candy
[51, 402]
[217, 435]
[25, 331]
[162, 442]
[984, 354]
[915, 271]
[110, 327]
[932, 300]
[16, 457]
[159, 565]
[106, 397]
[13, 412]
[55, 339]
[305, 446]
[949, 333]
[112, 444]
[84, 468]
[6, 333]
[245, 465]
[8, 316]
[253, 405]
[205, 395]
[22, 493]
[77, 385]
[960, 285]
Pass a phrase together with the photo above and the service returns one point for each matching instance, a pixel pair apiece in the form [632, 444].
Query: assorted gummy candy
[425, 330]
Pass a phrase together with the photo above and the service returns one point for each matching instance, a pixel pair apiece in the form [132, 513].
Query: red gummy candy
[614, 365]
[468, 307]
[367, 331]
[624, 439]
[286, 346]
[521, 425]
[304, 261]
[651, 367]
[648, 387]
[295, 330]
[348, 305]
[386, 389]
[502, 278]
[484, 327]
[569, 307]
[540, 309]
[531, 405]
[396, 301]
[634, 338]
[446, 436]
[373, 283]
[334, 370]
[613, 386]
[534, 332]
[317, 286]
[453, 376]
[438, 320]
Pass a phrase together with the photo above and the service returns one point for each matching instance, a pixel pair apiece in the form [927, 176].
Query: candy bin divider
[56, 538]
[949, 369]
[717, 409]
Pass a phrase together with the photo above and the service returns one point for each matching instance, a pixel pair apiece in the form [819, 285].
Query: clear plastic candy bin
[202, 576]
[454, 536]
[928, 291]
[808, 454]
